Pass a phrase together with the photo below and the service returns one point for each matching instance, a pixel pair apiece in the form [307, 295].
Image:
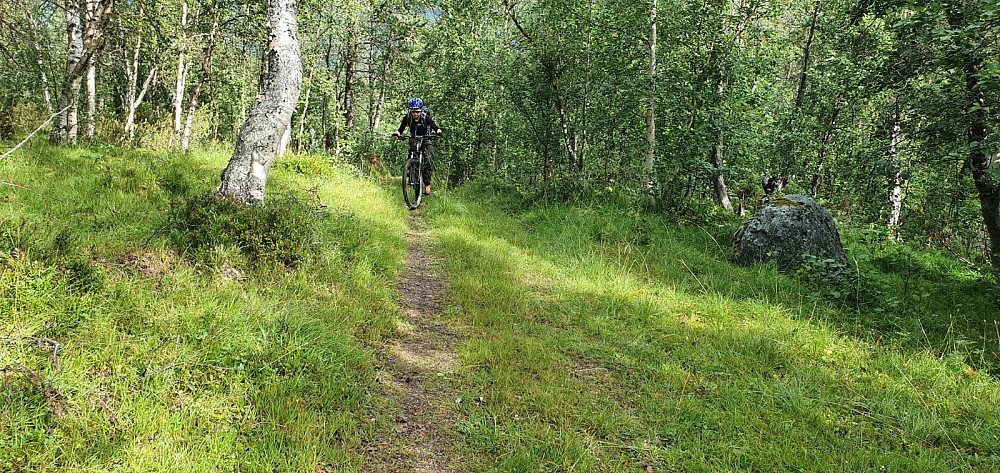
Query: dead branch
[55, 400]
[39, 341]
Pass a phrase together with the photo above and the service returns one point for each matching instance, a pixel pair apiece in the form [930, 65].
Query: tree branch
[33, 133]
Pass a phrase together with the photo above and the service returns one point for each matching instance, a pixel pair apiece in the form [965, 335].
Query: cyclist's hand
[395, 136]
[439, 133]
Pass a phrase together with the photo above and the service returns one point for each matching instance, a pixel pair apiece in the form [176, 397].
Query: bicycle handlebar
[424, 137]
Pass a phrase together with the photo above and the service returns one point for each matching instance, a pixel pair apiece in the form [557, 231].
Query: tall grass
[605, 339]
[125, 349]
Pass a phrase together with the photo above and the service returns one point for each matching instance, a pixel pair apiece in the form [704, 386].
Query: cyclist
[421, 124]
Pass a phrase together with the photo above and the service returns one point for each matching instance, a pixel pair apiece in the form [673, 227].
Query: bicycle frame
[415, 154]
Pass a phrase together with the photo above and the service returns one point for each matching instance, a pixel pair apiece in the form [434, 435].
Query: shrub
[282, 231]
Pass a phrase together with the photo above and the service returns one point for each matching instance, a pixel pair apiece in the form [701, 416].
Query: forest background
[884, 110]
[597, 157]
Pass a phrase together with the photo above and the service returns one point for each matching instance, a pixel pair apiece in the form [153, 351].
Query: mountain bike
[413, 175]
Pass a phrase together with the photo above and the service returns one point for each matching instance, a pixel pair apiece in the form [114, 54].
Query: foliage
[283, 231]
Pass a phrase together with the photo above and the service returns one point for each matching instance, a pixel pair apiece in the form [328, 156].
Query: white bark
[91, 79]
[134, 104]
[35, 34]
[651, 109]
[91, 100]
[82, 42]
[259, 139]
[302, 118]
[181, 76]
[285, 139]
[64, 128]
[896, 193]
[206, 70]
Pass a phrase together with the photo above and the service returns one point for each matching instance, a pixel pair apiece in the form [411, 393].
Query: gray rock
[790, 227]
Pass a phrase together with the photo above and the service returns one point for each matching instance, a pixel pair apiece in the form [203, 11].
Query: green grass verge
[604, 339]
[186, 359]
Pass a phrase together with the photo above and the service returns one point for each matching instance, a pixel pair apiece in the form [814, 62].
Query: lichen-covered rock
[788, 228]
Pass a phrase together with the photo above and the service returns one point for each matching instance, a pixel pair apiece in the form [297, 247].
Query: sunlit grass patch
[124, 352]
[635, 342]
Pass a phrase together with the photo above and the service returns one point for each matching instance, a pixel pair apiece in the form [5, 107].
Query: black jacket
[424, 126]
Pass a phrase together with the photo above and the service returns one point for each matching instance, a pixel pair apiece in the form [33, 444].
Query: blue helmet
[416, 103]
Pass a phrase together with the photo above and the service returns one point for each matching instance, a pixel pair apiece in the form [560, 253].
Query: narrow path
[418, 372]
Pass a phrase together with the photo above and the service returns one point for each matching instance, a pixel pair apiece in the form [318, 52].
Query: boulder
[786, 230]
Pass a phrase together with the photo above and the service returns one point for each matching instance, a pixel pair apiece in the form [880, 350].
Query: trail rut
[418, 371]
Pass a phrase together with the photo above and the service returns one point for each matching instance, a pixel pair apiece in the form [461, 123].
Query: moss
[782, 201]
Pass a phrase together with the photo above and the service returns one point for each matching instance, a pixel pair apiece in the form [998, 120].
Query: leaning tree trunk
[719, 181]
[245, 178]
[980, 162]
[83, 42]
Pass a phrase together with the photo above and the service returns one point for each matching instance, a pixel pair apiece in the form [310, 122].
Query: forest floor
[486, 332]
[418, 370]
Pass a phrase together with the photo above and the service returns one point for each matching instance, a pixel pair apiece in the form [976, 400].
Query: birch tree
[83, 39]
[259, 138]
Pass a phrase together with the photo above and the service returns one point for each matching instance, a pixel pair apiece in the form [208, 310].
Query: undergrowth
[608, 339]
[147, 327]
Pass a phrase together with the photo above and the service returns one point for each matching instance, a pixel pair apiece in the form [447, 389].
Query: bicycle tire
[413, 183]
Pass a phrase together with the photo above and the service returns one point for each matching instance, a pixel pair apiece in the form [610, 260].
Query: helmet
[416, 103]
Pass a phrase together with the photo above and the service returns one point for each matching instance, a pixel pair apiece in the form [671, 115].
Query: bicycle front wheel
[413, 183]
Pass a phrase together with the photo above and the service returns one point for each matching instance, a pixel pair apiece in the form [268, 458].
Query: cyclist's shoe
[427, 190]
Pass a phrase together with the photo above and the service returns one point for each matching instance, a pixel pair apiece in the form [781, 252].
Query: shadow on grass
[595, 362]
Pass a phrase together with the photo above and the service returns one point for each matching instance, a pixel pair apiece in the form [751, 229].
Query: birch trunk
[134, 103]
[35, 35]
[179, 85]
[259, 139]
[565, 122]
[64, 125]
[91, 100]
[82, 42]
[651, 110]
[350, 76]
[302, 118]
[719, 182]
[91, 79]
[206, 70]
[896, 193]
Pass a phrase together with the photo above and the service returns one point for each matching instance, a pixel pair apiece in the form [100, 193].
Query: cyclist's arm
[432, 127]
[402, 126]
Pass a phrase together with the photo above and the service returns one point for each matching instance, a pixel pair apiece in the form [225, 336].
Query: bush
[282, 231]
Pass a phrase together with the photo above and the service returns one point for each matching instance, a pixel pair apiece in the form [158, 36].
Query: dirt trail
[418, 372]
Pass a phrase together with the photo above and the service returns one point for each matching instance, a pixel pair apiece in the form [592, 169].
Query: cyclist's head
[416, 103]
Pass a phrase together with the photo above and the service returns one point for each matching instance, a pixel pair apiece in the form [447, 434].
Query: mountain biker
[421, 124]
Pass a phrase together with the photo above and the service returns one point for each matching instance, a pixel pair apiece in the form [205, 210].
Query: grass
[600, 338]
[172, 359]
[609, 340]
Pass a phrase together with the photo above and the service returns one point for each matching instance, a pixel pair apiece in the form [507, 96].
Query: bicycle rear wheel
[413, 183]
